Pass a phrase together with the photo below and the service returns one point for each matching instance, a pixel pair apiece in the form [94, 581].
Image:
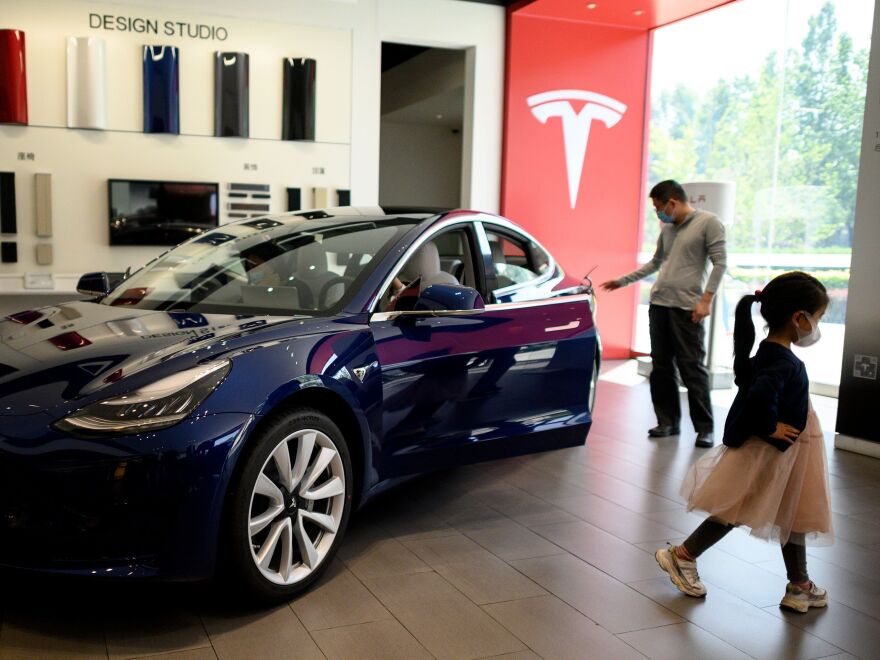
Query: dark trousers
[794, 553]
[677, 341]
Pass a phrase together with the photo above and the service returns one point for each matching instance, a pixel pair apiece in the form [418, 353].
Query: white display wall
[343, 36]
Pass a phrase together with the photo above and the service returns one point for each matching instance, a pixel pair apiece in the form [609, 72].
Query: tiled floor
[547, 556]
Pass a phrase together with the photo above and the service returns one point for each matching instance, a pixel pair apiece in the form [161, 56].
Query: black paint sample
[344, 197]
[294, 199]
[7, 203]
[9, 252]
[231, 92]
[298, 109]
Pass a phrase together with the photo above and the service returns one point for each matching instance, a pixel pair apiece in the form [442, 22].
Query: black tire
[271, 582]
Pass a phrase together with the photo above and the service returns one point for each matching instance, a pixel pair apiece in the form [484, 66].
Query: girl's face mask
[808, 338]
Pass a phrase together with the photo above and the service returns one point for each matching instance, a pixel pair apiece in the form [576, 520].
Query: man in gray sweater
[680, 299]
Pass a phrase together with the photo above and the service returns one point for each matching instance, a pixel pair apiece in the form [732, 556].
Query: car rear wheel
[290, 505]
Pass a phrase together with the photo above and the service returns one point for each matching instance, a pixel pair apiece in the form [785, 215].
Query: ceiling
[638, 14]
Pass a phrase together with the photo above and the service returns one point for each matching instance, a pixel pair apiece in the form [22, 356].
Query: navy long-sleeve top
[776, 390]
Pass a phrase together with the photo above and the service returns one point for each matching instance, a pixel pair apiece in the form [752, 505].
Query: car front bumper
[128, 506]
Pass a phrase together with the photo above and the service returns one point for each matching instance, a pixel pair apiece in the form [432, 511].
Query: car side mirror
[448, 298]
[98, 284]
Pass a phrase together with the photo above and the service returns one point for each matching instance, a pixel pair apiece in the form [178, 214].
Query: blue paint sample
[161, 89]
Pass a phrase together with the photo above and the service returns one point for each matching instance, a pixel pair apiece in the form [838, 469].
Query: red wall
[604, 226]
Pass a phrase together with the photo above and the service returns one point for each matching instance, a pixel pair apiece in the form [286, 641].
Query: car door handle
[567, 326]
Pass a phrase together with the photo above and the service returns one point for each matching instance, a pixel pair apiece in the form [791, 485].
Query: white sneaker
[682, 573]
[801, 600]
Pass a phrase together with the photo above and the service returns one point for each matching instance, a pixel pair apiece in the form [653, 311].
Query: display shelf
[169, 136]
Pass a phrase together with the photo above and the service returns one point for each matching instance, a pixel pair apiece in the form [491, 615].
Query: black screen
[160, 212]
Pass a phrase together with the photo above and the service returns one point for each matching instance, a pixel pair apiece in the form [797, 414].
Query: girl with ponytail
[770, 475]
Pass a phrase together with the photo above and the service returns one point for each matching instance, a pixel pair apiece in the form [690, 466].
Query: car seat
[500, 262]
[424, 266]
[311, 269]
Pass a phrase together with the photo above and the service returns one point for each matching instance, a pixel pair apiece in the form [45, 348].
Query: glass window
[446, 258]
[783, 120]
[264, 266]
[515, 259]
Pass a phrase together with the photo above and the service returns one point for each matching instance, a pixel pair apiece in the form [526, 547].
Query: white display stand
[718, 197]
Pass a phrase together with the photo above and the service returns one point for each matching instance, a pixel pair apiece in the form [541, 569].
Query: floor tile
[852, 529]
[751, 582]
[742, 625]
[24, 637]
[607, 601]
[446, 549]
[679, 519]
[131, 634]
[842, 626]
[553, 629]
[614, 519]
[263, 634]
[854, 558]
[487, 579]
[510, 540]
[381, 557]
[682, 641]
[339, 599]
[379, 640]
[206, 653]
[443, 620]
[602, 550]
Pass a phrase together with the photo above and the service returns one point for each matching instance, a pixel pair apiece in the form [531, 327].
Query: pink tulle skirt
[772, 493]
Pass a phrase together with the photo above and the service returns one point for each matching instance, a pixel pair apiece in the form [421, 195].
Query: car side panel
[456, 388]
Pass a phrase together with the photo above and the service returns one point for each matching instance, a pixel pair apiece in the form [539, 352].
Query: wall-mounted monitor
[160, 212]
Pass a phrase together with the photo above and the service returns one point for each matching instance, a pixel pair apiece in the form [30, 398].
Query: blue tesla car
[229, 404]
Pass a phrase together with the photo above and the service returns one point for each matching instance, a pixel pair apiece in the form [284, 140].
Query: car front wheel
[290, 505]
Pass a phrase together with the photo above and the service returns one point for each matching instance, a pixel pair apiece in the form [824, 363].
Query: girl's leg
[794, 554]
[703, 537]
[800, 594]
[679, 561]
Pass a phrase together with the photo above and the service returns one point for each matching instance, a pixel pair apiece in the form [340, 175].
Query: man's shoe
[682, 573]
[663, 431]
[705, 439]
[801, 600]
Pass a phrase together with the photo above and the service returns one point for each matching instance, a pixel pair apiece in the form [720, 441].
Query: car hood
[55, 354]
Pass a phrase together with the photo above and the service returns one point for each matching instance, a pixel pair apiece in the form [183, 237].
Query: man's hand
[785, 432]
[703, 308]
[611, 285]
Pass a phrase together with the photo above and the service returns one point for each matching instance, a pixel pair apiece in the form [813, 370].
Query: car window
[265, 266]
[447, 258]
[516, 260]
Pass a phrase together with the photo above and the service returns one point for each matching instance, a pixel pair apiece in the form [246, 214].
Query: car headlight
[154, 406]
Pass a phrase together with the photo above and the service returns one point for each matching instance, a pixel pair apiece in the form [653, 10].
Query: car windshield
[291, 265]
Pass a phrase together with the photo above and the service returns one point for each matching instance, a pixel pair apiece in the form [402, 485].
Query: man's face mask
[808, 338]
[665, 217]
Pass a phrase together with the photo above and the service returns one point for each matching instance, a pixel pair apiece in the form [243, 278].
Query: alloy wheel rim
[296, 506]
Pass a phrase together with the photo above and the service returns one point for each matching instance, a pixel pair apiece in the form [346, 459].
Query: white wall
[348, 124]
[857, 404]
[421, 165]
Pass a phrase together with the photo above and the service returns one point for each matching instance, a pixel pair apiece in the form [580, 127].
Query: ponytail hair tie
[757, 294]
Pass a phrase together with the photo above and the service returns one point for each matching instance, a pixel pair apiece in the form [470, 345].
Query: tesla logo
[575, 125]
